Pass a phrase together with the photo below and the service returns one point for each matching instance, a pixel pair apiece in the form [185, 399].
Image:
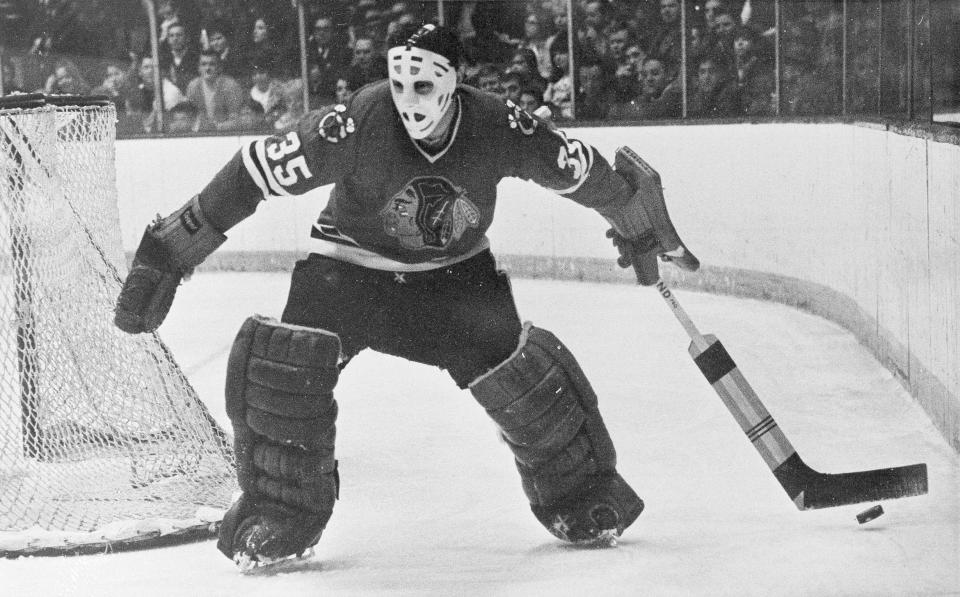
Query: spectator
[66, 79]
[486, 43]
[181, 118]
[169, 15]
[593, 92]
[267, 90]
[293, 106]
[8, 82]
[218, 97]
[559, 92]
[626, 57]
[232, 62]
[531, 100]
[399, 9]
[375, 23]
[511, 83]
[139, 101]
[618, 41]
[645, 17]
[590, 32]
[659, 92]
[524, 62]
[344, 90]
[488, 79]
[535, 39]
[251, 117]
[811, 68]
[178, 58]
[368, 63]
[713, 8]
[328, 55]
[666, 41]
[714, 94]
[177, 12]
[720, 40]
[400, 21]
[760, 15]
[755, 82]
[114, 85]
[660, 96]
[38, 63]
[559, 35]
[265, 50]
[636, 54]
[624, 93]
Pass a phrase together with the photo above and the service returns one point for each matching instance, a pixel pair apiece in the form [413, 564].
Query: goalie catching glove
[169, 250]
[642, 230]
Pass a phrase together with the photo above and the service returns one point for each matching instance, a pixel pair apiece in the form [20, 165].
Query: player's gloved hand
[169, 250]
[642, 253]
[149, 289]
[642, 230]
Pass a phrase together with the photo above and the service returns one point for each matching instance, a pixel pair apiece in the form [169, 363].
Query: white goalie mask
[423, 84]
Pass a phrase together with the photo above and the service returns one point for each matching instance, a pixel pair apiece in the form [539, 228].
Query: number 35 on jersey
[278, 164]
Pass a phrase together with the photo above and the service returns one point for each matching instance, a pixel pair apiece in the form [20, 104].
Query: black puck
[870, 513]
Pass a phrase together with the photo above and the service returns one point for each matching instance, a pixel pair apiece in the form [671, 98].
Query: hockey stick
[809, 489]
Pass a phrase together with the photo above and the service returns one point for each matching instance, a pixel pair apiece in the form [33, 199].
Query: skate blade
[606, 539]
[254, 564]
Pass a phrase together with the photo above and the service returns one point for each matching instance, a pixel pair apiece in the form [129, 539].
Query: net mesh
[97, 427]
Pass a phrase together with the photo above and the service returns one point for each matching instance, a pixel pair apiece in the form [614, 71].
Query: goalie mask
[423, 78]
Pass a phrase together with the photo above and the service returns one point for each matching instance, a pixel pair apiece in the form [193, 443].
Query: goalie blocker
[642, 230]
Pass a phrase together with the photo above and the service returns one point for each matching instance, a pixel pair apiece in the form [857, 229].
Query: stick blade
[810, 489]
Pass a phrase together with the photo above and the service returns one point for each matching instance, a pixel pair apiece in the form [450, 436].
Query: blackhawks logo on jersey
[429, 212]
[336, 125]
[520, 119]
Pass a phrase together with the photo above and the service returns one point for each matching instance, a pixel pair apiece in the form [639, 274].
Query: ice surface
[431, 504]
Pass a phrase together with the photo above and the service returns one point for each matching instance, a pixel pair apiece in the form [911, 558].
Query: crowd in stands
[229, 65]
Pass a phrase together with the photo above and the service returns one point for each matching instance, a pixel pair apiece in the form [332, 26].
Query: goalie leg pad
[547, 413]
[279, 392]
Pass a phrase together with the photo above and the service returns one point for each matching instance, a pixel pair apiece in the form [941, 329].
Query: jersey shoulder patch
[336, 124]
[520, 120]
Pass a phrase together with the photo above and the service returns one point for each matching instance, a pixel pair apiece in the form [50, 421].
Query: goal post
[104, 443]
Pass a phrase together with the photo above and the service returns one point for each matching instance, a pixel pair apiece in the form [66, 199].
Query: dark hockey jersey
[394, 205]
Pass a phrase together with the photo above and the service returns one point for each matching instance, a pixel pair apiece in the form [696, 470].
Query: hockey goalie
[400, 264]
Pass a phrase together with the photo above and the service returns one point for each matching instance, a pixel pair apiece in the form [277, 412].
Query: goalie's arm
[629, 197]
[171, 247]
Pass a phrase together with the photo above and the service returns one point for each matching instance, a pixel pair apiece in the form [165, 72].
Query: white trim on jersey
[330, 232]
[253, 170]
[587, 167]
[255, 161]
[275, 186]
[367, 258]
[456, 127]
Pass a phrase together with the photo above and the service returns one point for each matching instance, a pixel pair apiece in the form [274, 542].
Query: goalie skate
[607, 538]
[591, 526]
[258, 564]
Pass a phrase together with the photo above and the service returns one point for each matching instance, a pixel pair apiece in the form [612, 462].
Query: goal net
[104, 444]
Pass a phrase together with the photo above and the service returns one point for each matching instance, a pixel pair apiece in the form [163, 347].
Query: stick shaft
[695, 336]
[807, 488]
